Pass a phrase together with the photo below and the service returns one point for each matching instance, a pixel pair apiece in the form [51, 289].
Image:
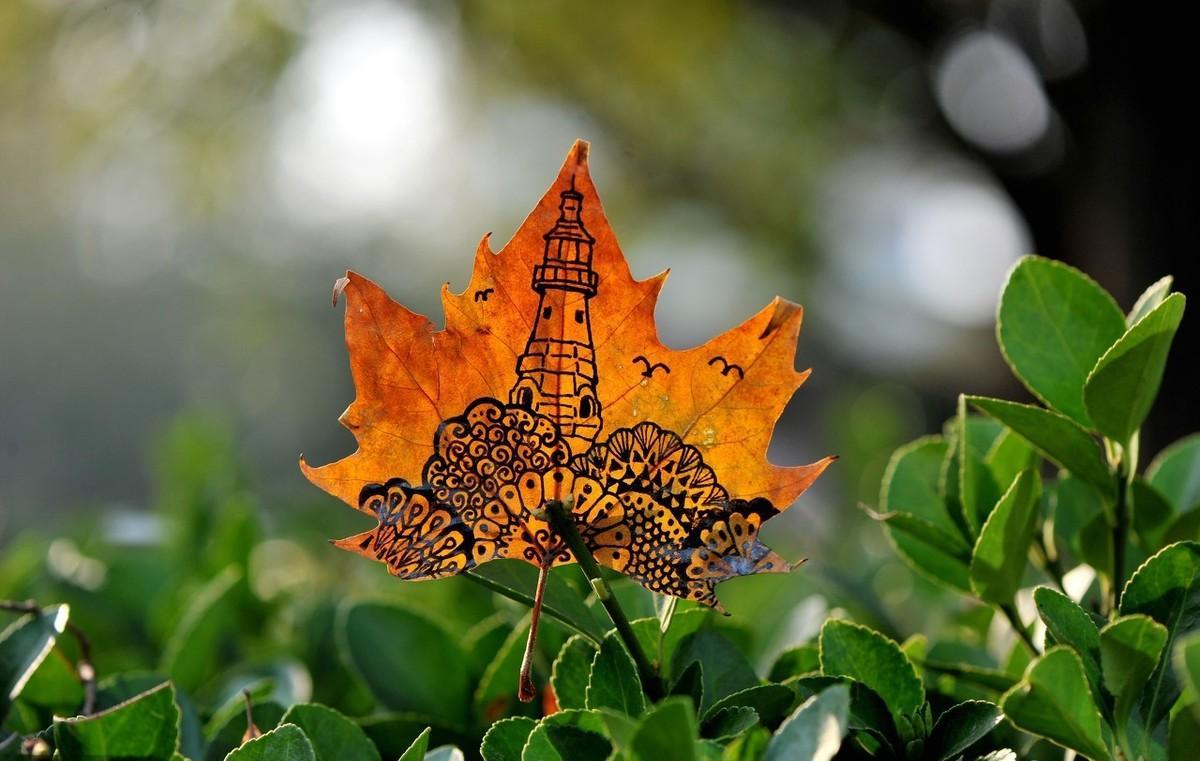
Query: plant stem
[84, 668]
[525, 689]
[1014, 620]
[565, 528]
[1120, 537]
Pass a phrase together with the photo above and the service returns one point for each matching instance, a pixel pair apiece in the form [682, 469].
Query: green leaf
[284, 743]
[1053, 700]
[420, 744]
[1009, 455]
[55, 686]
[333, 736]
[949, 542]
[1055, 436]
[1054, 322]
[801, 659]
[682, 623]
[1121, 389]
[1152, 515]
[146, 727]
[727, 723]
[959, 727]
[550, 741]
[1186, 660]
[865, 655]
[1070, 625]
[868, 713]
[1075, 504]
[667, 733]
[1184, 734]
[396, 733]
[815, 731]
[1167, 589]
[911, 487]
[1175, 472]
[998, 561]
[506, 738]
[24, 644]
[769, 701]
[1150, 298]
[977, 487]
[1129, 651]
[571, 671]
[494, 694]
[380, 641]
[613, 681]
[190, 655]
[723, 669]
[517, 579]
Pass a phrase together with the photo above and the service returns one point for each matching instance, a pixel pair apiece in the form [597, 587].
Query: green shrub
[1034, 509]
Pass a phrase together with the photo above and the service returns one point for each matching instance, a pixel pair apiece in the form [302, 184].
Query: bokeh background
[182, 182]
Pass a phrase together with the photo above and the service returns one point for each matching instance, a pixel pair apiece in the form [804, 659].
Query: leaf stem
[83, 667]
[1014, 620]
[565, 528]
[1120, 537]
[525, 689]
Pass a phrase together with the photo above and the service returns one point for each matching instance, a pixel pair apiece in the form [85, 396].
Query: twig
[1014, 620]
[516, 596]
[565, 528]
[84, 667]
[525, 689]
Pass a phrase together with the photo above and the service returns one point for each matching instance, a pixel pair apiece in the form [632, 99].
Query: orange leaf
[549, 382]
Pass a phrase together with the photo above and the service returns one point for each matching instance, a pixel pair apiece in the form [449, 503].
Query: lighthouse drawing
[556, 374]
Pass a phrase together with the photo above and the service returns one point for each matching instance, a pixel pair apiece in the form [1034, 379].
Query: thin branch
[84, 668]
[1014, 620]
[524, 599]
[525, 689]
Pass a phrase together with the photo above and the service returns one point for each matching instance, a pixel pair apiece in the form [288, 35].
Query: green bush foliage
[1039, 515]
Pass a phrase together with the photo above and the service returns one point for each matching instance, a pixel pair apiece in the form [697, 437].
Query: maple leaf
[549, 383]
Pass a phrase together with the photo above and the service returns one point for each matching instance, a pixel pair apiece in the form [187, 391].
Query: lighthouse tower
[556, 374]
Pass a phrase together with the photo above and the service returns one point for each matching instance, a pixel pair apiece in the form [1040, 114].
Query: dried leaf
[549, 382]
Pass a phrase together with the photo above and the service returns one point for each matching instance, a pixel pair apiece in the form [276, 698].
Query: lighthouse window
[525, 399]
[579, 316]
[585, 407]
[546, 313]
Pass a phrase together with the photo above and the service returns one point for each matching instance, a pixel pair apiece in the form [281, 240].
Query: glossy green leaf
[1175, 472]
[667, 733]
[769, 701]
[1053, 701]
[190, 655]
[911, 486]
[1056, 436]
[225, 731]
[657, 644]
[865, 655]
[998, 561]
[518, 580]
[1074, 505]
[1121, 389]
[727, 723]
[286, 742]
[801, 659]
[571, 671]
[1009, 455]
[1070, 625]
[613, 680]
[1167, 589]
[333, 736]
[24, 644]
[959, 727]
[505, 739]
[552, 741]
[420, 744]
[1184, 735]
[977, 487]
[815, 731]
[1150, 298]
[1054, 323]
[949, 542]
[1153, 515]
[494, 694]
[868, 713]
[723, 669]
[146, 727]
[1130, 648]
[380, 641]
